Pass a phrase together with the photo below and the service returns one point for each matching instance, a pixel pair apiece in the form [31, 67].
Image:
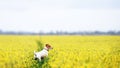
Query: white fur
[40, 54]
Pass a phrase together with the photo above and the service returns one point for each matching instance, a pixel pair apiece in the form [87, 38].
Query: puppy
[41, 54]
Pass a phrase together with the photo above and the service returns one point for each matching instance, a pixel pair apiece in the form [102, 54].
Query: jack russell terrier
[43, 53]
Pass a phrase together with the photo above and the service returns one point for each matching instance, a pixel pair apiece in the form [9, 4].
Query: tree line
[61, 33]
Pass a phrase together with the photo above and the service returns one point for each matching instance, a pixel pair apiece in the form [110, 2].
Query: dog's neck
[45, 48]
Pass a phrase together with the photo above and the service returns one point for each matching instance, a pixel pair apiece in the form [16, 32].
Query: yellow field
[68, 51]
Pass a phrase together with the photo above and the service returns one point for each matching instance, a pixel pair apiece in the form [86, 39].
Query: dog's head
[48, 47]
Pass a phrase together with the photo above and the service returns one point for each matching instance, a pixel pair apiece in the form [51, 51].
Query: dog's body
[40, 55]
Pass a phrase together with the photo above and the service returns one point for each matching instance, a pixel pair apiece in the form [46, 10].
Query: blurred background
[60, 17]
[71, 27]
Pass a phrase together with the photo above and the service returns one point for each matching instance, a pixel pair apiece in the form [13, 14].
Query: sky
[59, 15]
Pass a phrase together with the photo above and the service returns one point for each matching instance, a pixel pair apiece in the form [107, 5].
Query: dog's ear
[48, 46]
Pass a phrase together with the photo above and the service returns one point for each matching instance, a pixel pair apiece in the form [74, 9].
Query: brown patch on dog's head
[48, 46]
